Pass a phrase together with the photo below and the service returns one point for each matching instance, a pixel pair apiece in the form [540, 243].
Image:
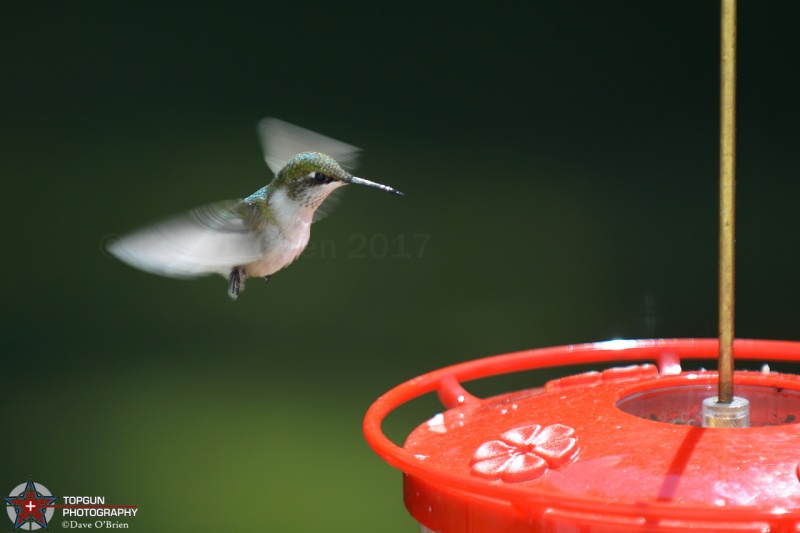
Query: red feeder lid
[618, 450]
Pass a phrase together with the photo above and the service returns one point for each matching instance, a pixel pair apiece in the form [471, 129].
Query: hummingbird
[256, 236]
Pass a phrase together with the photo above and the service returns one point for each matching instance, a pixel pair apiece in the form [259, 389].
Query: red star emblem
[30, 506]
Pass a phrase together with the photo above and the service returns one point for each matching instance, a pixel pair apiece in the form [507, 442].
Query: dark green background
[559, 159]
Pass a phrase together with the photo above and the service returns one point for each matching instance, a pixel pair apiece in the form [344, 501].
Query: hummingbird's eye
[321, 178]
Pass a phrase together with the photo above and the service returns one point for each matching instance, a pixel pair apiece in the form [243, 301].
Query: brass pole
[727, 190]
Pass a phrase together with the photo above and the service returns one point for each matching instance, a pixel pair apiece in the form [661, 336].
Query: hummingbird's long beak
[360, 181]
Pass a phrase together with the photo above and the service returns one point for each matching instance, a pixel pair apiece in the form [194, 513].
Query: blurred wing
[281, 141]
[210, 239]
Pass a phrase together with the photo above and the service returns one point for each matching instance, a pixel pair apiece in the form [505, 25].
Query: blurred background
[560, 162]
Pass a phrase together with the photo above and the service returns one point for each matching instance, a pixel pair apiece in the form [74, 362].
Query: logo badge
[29, 506]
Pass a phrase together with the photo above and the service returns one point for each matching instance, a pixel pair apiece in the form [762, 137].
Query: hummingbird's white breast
[284, 240]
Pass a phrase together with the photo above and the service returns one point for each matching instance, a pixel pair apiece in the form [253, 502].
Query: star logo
[29, 506]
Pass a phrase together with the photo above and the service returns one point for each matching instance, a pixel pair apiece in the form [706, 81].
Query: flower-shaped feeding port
[525, 453]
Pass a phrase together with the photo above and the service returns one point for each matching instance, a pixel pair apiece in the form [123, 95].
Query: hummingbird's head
[309, 178]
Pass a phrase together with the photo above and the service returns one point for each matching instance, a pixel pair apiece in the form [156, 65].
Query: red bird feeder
[612, 451]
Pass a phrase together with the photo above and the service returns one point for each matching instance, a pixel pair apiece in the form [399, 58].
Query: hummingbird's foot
[266, 279]
[236, 282]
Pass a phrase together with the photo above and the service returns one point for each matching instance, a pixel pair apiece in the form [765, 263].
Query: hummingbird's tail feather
[236, 282]
[281, 141]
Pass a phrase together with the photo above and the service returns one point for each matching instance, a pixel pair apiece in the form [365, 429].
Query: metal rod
[727, 197]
